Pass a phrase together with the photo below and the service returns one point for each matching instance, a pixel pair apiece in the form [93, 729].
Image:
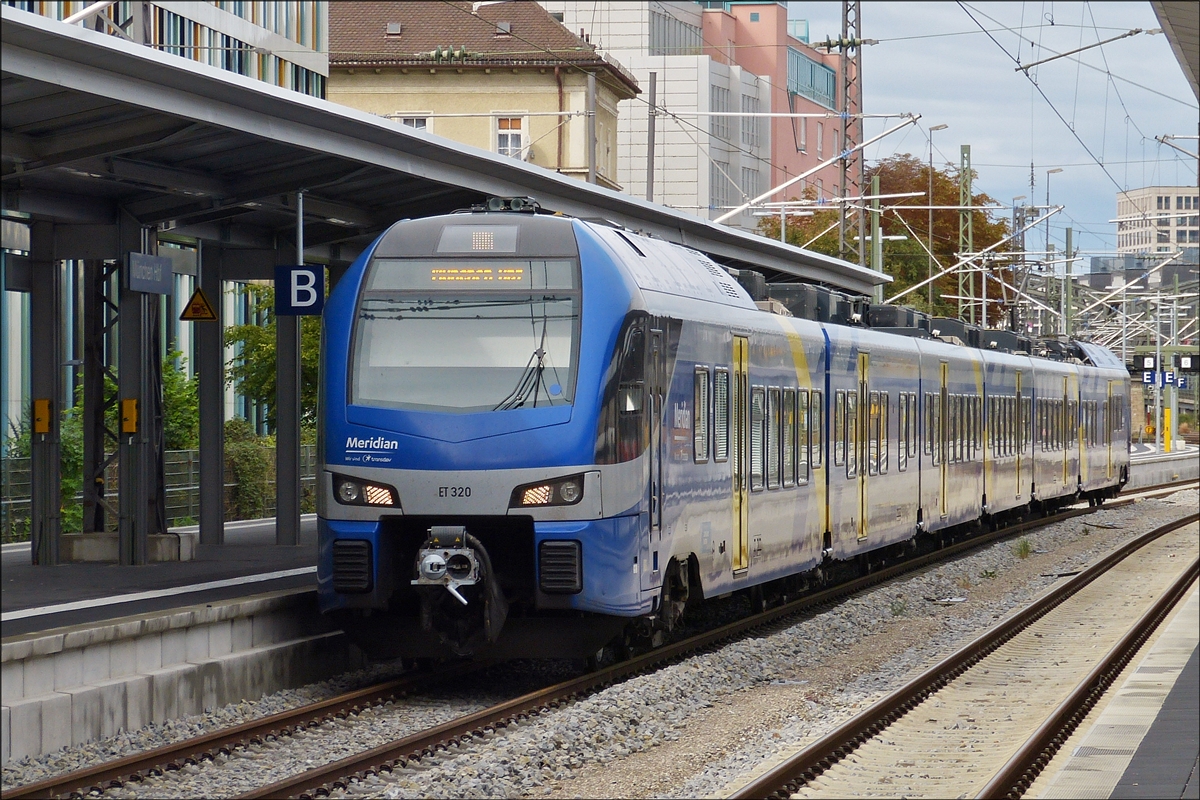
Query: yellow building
[505, 77]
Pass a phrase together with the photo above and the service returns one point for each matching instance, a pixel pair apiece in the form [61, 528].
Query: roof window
[504, 29]
[394, 29]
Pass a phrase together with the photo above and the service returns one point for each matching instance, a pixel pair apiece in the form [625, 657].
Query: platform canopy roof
[96, 127]
[1181, 24]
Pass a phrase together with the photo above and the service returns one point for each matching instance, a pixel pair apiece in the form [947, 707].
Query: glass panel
[720, 415]
[902, 431]
[851, 434]
[802, 444]
[700, 417]
[462, 346]
[788, 437]
[817, 431]
[884, 430]
[873, 409]
[773, 439]
[758, 418]
[839, 429]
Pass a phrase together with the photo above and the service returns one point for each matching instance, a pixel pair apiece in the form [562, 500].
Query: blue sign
[299, 291]
[1182, 381]
[151, 274]
[1148, 378]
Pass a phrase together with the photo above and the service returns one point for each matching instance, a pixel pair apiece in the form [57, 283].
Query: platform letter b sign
[299, 291]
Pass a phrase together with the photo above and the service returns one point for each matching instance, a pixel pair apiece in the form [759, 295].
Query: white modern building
[728, 58]
[1158, 219]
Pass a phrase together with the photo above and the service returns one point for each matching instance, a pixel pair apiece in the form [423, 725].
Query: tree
[906, 260]
[252, 370]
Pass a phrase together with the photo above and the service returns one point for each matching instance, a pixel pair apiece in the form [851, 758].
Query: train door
[862, 451]
[940, 442]
[740, 457]
[655, 378]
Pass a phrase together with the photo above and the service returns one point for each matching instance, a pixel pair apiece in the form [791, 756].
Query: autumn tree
[905, 260]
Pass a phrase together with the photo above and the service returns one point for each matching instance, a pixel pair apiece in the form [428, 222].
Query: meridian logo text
[377, 443]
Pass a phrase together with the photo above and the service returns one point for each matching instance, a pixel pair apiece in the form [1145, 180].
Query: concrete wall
[1164, 469]
[72, 685]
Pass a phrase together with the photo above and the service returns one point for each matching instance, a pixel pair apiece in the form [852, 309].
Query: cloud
[953, 74]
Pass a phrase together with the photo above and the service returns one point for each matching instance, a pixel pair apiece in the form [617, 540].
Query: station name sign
[149, 274]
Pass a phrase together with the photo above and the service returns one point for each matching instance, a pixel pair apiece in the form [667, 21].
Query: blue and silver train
[539, 434]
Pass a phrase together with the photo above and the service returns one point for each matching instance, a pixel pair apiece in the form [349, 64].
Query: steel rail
[1018, 774]
[320, 781]
[136, 767]
[788, 776]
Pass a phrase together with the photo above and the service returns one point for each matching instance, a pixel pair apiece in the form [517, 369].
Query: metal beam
[210, 369]
[45, 379]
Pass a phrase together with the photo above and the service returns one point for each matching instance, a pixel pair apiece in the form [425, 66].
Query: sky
[932, 59]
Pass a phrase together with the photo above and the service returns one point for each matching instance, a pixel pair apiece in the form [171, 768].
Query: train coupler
[453, 559]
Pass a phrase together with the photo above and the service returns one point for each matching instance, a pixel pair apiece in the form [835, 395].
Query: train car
[539, 435]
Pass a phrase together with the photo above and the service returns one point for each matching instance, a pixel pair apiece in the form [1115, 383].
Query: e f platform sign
[299, 291]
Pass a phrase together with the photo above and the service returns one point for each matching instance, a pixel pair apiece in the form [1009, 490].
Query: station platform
[1145, 742]
[36, 599]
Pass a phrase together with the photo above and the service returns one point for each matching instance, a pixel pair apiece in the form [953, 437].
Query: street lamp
[929, 231]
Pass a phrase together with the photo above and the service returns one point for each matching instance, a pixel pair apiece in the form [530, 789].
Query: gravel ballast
[688, 729]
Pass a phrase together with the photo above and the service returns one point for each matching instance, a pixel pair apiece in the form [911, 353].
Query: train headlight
[354, 492]
[559, 492]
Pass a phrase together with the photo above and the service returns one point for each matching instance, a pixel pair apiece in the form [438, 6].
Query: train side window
[990, 405]
[976, 426]
[839, 429]
[802, 436]
[884, 430]
[873, 433]
[774, 423]
[721, 415]
[758, 421]
[788, 438]
[850, 443]
[700, 412]
[914, 420]
[970, 428]
[902, 432]
[816, 431]
[930, 435]
[955, 429]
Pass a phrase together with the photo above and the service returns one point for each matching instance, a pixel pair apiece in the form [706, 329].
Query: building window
[754, 16]
[673, 37]
[1193, 237]
[750, 188]
[415, 122]
[720, 100]
[820, 140]
[1181, 236]
[810, 79]
[803, 123]
[720, 193]
[508, 136]
[750, 124]
[1163, 201]
[1164, 236]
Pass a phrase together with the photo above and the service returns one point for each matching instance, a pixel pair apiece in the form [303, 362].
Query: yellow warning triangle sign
[198, 309]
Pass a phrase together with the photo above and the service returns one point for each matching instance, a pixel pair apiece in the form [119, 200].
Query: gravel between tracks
[686, 730]
[690, 729]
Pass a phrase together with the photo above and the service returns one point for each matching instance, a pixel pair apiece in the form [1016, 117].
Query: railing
[181, 470]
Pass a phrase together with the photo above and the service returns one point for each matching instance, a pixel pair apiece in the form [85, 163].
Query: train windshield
[467, 336]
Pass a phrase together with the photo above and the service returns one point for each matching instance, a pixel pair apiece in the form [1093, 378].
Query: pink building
[755, 36]
[714, 62]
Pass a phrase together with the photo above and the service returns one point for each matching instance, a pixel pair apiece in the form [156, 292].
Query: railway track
[948, 731]
[318, 781]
